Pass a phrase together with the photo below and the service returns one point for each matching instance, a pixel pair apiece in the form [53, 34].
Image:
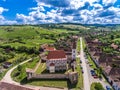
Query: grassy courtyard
[19, 75]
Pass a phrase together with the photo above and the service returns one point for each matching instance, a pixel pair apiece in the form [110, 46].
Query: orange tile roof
[57, 54]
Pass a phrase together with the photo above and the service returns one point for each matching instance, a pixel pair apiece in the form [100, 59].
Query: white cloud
[4, 21]
[39, 8]
[2, 10]
[106, 2]
[55, 14]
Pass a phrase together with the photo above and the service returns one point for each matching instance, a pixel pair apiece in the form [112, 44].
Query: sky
[59, 11]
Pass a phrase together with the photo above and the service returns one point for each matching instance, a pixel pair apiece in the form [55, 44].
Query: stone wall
[73, 76]
[48, 76]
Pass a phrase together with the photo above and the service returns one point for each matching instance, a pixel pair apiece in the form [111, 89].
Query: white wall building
[56, 61]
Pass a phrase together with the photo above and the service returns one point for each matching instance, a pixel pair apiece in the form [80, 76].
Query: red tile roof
[57, 54]
[49, 48]
[8, 86]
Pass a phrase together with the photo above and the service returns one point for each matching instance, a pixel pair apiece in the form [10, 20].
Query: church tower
[74, 51]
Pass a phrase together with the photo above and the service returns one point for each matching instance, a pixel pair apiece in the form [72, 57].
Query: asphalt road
[88, 78]
[84, 65]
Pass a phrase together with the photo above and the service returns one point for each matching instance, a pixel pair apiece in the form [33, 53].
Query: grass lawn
[18, 55]
[91, 62]
[80, 78]
[78, 45]
[96, 86]
[22, 75]
[50, 83]
[83, 42]
[2, 74]
[117, 39]
[41, 68]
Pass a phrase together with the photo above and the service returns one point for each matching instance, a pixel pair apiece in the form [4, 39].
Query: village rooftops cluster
[106, 61]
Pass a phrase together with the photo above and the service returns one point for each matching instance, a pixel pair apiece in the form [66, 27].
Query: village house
[7, 64]
[114, 46]
[56, 61]
[48, 48]
[114, 78]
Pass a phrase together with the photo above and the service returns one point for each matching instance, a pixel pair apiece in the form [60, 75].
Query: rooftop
[8, 86]
[49, 48]
[74, 45]
[57, 54]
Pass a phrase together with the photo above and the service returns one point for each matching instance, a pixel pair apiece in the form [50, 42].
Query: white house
[56, 61]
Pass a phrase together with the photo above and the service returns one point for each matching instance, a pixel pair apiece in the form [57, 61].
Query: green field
[28, 36]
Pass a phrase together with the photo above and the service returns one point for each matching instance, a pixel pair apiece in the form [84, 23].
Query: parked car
[82, 71]
[95, 76]
[80, 61]
[92, 72]
[81, 67]
[108, 88]
[95, 69]
[87, 62]
[90, 65]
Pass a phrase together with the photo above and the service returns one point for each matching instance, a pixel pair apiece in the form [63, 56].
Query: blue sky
[58, 11]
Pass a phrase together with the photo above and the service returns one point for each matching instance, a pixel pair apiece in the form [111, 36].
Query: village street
[87, 77]
[85, 74]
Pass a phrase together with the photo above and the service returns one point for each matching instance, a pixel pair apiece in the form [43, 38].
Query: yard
[78, 45]
[41, 68]
[80, 78]
[19, 75]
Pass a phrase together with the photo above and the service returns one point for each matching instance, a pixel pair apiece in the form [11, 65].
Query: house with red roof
[56, 61]
[48, 48]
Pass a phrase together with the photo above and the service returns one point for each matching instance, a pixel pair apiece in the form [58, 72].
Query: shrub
[96, 86]
[19, 68]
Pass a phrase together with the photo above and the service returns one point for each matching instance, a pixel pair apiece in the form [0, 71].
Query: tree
[19, 68]
[99, 71]
[96, 86]
[112, 37]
